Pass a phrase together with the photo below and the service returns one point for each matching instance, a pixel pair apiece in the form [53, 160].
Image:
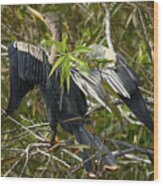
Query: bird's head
[52, 22]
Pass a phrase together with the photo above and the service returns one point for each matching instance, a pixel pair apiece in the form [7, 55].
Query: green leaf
[102, 60]
[64, 43]
[56, 64]
[81, 63]
[81, 49]
[59, 46]
[65, 72]
[68, 82]
[47, 42]
[75, 59]
[50, 43]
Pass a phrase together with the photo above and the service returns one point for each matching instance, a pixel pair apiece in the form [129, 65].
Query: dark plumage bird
[31, 65]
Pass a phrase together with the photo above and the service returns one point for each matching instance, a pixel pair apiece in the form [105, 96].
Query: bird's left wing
[120, 78]
[91, 83]
[28, 66]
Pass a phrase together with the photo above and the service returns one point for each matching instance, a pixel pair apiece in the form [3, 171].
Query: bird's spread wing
[91, 83]
[28, 67]
[122, 79]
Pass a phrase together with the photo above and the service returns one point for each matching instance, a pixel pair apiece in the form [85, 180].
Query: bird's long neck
[57, 36]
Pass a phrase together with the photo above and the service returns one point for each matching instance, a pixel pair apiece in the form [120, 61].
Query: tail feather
[102, 153]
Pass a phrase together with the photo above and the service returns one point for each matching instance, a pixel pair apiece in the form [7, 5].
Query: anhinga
[31, 65]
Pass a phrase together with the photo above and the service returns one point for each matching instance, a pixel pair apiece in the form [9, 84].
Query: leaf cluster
[67, 59]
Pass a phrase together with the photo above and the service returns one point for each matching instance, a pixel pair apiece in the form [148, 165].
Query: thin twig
[149, 47]
[130, 121]
[22, 126]
[4, 47]
[136, 158]
[4, 54]
[55, 158]
[25, 164]
[11, 168]
[126, 153]
[135, 147]
[71, 154]
[108, 29]
[26, 152]
[82, 164]
[12, 149]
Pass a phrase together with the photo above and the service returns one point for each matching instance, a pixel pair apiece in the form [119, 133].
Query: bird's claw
[54, 147]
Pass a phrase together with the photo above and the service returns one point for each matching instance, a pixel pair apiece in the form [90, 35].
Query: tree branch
[108, 29]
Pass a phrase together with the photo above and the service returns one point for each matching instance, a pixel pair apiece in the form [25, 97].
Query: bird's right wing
[28, 66]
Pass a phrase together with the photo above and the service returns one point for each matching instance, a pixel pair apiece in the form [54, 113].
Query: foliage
[23, 154]
[67, 59]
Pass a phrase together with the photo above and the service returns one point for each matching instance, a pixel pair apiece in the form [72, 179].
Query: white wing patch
[114, 81]
[88, 87]
[34, 51]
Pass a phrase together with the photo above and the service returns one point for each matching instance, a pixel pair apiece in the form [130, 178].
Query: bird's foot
[98, 174]
[54, 144]
[111, 168]
[91, 175]
[54, 147]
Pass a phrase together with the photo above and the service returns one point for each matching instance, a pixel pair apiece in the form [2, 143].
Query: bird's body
[30, 66]
[67, 109]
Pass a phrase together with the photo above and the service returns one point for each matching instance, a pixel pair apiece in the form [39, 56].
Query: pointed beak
[36, 14]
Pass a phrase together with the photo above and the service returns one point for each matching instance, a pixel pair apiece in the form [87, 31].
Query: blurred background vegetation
[132, 35]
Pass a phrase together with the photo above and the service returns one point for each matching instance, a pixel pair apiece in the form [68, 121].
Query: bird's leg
[53, 137]
[54, 141]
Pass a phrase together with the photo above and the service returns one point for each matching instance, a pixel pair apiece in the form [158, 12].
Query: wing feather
[28, 67]
[123, 80]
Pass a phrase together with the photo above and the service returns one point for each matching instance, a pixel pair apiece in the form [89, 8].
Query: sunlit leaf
[82, 63]
[81, 49]
[56, 64]
[64, 42]
[51, 42]
[58, 45]
[48, 42]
